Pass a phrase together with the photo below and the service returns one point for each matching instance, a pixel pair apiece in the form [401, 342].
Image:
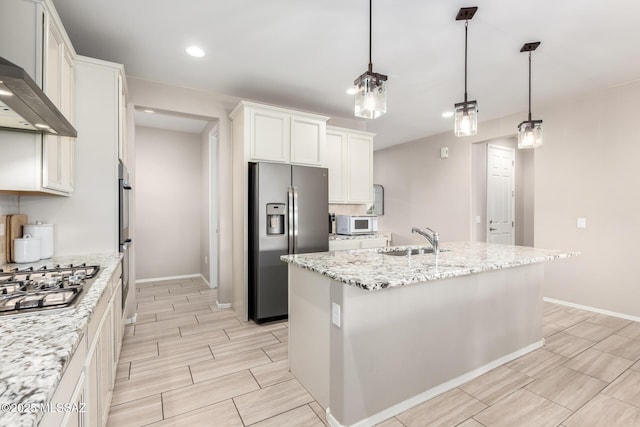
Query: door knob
[492, 229]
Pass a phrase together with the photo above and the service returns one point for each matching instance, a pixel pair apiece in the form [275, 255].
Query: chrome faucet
[433, 238]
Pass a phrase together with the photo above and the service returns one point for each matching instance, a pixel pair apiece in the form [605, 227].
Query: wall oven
[124, 240]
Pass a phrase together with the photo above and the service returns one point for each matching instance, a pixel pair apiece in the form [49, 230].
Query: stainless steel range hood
[24, 106]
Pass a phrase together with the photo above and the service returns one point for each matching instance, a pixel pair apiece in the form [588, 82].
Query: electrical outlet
[444, 152]
[206, 259]
[478, 219]
[335, 314]
[581, 223]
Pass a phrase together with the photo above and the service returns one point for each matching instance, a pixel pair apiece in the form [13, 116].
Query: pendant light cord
[370, 63]
[529, 85]
[466, 25]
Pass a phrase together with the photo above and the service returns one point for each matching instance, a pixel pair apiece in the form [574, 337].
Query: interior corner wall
[205, 188]
[168, 203]
[587, 168]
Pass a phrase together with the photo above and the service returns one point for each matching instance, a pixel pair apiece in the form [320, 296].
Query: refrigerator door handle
[295, 220]
[290, 226]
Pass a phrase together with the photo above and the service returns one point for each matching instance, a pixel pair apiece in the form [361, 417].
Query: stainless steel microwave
[356, 224]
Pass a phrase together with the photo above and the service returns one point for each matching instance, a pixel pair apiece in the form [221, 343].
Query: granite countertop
[371, 269]
[36, 348]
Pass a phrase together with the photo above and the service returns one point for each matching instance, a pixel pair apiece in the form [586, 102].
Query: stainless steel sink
[407, 252]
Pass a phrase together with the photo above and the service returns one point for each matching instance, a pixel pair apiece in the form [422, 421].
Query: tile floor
[187, 363]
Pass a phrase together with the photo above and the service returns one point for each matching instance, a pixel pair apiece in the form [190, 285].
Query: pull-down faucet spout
[432, 238]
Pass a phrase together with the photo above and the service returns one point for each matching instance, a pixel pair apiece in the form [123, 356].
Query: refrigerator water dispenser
[275, 218]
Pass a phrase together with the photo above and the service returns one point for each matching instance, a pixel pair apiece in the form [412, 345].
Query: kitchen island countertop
[35, 348]
[371, 269]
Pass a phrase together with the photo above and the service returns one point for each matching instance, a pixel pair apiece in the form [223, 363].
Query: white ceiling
[305, 54]
[171, 121]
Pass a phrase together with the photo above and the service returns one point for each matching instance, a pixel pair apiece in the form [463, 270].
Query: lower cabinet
[348, 244]
[87, 384]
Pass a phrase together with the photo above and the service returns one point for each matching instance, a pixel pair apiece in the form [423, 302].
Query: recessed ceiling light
[5, 93]
[149, 111]
[447, 114]
[351, 91]
[195, 51]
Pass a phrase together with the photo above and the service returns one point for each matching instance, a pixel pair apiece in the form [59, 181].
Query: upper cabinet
[280, 135]
[30, 162]
[349, 157]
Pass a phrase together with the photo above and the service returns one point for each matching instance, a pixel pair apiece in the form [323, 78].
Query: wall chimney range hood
[24, 106]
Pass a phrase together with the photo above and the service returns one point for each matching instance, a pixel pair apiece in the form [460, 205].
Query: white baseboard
[435, 391]
[223, 305]
[593, 309]
[159, 279]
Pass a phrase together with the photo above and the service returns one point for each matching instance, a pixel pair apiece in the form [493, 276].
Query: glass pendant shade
[371, 95]
[530, 134]
[466, 118]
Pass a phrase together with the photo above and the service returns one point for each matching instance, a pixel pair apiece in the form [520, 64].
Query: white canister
[44, 232]
[26, 249]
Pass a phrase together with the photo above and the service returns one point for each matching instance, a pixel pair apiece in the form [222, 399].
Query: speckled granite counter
[371, 269]
[36, 348]
[378, 235]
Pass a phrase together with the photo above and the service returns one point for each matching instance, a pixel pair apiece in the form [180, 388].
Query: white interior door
[500, 194]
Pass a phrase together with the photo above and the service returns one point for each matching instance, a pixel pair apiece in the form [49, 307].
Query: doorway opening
[502, 193]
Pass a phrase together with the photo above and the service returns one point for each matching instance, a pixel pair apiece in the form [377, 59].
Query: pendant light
[466, 112]
[371, 91]
[530, 131]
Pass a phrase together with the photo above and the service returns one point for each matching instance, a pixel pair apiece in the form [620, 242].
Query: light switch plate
[335, 314]
[478, 219]
[444, 152]
[581, 223]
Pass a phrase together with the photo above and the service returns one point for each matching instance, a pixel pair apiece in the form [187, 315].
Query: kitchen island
[373, 334]
[36, 349]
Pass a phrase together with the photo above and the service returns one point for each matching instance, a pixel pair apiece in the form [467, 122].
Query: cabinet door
[360, 167]
[93, 388]
[76, 417]
[122, 122]
[335, 156]
[105, 369]
[307, 141]
[270, 135]
[117, 328]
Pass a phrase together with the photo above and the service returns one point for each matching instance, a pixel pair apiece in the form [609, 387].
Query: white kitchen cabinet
[358, 243]
[349, 158]
[46, 161]
[280, 135]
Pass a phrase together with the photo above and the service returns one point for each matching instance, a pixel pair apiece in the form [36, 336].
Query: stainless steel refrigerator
[288, 211]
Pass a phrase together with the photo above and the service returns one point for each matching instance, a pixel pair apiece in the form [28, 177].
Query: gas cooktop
[45, 288]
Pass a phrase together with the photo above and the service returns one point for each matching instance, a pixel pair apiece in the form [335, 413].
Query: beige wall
[168, 203]
[206, 170]
[586, 168]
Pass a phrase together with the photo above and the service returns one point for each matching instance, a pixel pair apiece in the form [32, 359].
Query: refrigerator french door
[288, 210]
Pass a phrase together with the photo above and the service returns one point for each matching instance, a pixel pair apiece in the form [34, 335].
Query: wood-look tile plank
[168, 315]
[299, 417]
[170, 361]
[626, 388]
[281, 334]
[145, 318]
[537, 363]
[567, 345]
[136, 412]
[523, 408]
[391, 422]
[195, 396]
[243, 344]
[151, 290]
[165, 324]
[131, 351]
[320, 412]
[549, 307]
[631, 331]
[567, 387]
[141, 285]
[590, 331]
[549, 329]
[216, 316]
[167, 346]
[197, 305]
[620, 346]
[636, 366]
[148, 385]
[251, 328]
[145, 298]
[272, 373]
[495, 385]
[603, 410]
[162, 305]
[273, 400]
[208, 327]
[151, 337]
[222, 414]
[565, 318]
[609, 321]
[122, 372]
[206, 370]
[450, 408]
[277, 352]
[471, 422]
[598, 364]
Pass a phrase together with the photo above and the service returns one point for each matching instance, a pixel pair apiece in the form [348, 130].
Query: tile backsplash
[348, 209]
[9, 204]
